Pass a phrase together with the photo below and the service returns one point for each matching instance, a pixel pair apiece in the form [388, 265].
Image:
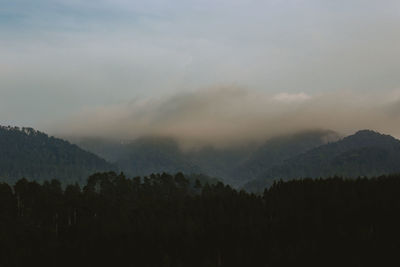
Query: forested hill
[366, 153]
[235, 165]
[276, 150]
[25, 152]
[146, 155]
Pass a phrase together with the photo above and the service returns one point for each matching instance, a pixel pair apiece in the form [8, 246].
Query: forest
[169, 220]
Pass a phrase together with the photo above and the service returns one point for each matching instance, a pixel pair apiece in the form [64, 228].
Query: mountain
[110, 150]
[366, 153]
[148, 155]
[276, 150]
[25, 152]
[221, 162]
[235, 165]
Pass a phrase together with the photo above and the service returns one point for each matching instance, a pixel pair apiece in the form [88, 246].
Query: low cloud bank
[229, 115]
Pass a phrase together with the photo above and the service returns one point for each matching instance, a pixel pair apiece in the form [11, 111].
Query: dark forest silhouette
[165, 220]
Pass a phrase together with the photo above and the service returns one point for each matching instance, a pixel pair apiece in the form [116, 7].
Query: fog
[226, 115]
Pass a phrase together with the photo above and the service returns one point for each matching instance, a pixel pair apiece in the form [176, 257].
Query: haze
[202, 71]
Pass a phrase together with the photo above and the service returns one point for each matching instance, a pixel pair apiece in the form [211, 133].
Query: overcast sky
[63, 58]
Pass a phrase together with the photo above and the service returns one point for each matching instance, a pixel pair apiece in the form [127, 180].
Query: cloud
[229, 115]
[291, 97]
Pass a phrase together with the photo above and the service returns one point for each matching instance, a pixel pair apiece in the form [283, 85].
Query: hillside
[25, 152]
[366, 153]
[276, 150]
[144, 156]
[235, 165]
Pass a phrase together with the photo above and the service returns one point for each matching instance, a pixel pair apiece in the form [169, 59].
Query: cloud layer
[230, 115]
[59, 56]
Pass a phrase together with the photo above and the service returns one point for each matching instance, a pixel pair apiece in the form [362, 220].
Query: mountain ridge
[235, 165]
[365, 153]
[26, 152]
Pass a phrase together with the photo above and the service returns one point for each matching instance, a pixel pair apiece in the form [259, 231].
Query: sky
[126, 67]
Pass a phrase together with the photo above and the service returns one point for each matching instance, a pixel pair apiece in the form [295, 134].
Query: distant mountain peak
[372, 137]
[367, 132]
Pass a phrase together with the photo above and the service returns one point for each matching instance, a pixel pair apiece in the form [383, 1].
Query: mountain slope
[25, 152]
[365, 153]
[144, 156]
[110, 150]
[236, 164]
[276, 150]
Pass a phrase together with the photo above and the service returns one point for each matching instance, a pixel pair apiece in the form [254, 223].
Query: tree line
[169, 220]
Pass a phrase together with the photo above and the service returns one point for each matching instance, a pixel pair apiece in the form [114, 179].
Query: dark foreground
[165, 221]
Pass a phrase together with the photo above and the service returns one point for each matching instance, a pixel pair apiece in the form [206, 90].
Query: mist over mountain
[147, 155]
[314, 153]
[276, 150]
[366, 153]
[234, 164]
[28, 153]
[226, 116]
[155, 155]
